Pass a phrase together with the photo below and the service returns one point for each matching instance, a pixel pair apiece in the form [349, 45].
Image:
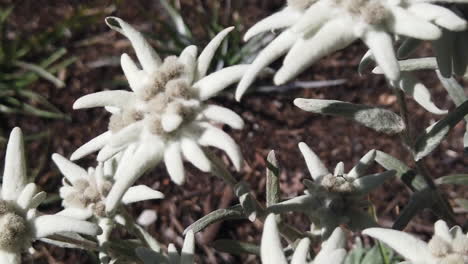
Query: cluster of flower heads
[314, 29]
[20, 222]
[164, 117]
[335, 199]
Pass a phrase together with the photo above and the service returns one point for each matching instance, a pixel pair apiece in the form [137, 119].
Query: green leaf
[405, 173]
[379, 119]
[373, 256]
[41, 72]
[454, 89]
[272, 180]
[453, 179]
[177, 19]
[407, 47]
[434, 134]
[236, 247]
[234, 212]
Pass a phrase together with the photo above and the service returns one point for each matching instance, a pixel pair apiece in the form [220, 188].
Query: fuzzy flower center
[372, 12]
[449, 253]
[85, 194]
[167, 96]
[339, 184]
[13, 228]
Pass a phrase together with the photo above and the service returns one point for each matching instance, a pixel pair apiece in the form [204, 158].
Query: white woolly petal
[331, 37]
[368, 183]
[282, 19]
[406, 24]
[140, 193]
[194, 154]
[14, 175]
[381, 45]
[37, 200]
[70, 170]
[117, 98]
[315, 166]
[28, 192]
[215, 137]
[337, 256]
[339, 169]
[126, 158]
[108, 152]
[300, 254]
[147, 56]
[336, 240]
[223, 115]
[173, 254]
[113, 109]
[407, 245]
[277, 48]
[93, 145]
[440, 15]
[442, 230]
[126, 135]
[188, 57]
[212, 84]
[361, 168]
[8, 257]
[205, 58]
[47, 225]
[147, 156]
[174, 163]
[171, 121]
[271, 250]
[147, 217]
[188, 249]
[412, 86]
[133, 74]
[76, 213]
[314, 18]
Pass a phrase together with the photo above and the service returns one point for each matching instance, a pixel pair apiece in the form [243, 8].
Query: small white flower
[447, 246]
[149, 256]
[335, 199]
[164, 117]
[316, 28]
[84, 192]
[332, 250]
[20, 223]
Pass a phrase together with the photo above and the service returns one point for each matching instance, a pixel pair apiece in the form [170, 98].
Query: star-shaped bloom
[332, 250]
[20, 223]
[164, 117]
[84, 192]
[447, 246]
[149, 256]
[316, 28]
[338, 198]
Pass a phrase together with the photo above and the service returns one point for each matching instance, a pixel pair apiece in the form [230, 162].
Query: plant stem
[409, 143]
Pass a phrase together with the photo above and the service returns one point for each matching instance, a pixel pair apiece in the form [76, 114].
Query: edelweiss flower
[173, 257]
[164, 116]
[447, 246]
[335, 199]
[20, 223]
[332, 250]
[316, 28]
[84, 192]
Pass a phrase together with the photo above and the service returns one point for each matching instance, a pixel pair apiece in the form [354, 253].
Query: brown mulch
[272, 122]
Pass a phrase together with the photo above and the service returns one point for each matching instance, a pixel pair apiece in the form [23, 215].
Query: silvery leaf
[235, 212]
[405, 173]
[272, 180]
[429, 63]
[453, 179]
[413, 87]
[434, 134]
[236, 247]
[418, 201]
[407, 47]
[379, 119]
